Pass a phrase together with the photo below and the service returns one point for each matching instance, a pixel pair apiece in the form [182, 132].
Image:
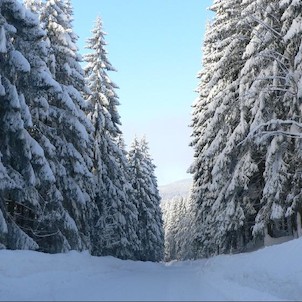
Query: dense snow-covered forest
[247, 128]
[246, 137]
[66, 180]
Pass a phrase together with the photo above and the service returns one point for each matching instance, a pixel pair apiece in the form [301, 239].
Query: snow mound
[270, 274]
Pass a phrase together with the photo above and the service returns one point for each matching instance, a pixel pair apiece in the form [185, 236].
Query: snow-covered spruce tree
[101, 82]
[176, 217]
[34, 5]
[168, 224]
[218, 127]
[150, 225]
[117, 226]
[292, 36]
[72, 130]
[259, 188]
[23, 164]
[269, 96]
[56, 227]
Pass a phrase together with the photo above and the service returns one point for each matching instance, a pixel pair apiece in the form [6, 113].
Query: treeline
[66, 179]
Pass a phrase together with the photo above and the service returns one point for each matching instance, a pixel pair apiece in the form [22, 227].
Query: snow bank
[273, 273]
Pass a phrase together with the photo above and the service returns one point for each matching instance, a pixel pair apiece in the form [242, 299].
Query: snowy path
[273, 273]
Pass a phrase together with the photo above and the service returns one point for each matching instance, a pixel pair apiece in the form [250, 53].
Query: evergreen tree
[35, 217]
[98, 80]
[117, 225]
[42, 93]
[72, 131]
[168, 225]
[176, 216]
[34, 5]
[265, 88]
[150, 225]
[282, 168]
[291, 32]
[217, 130]
[247, 154]
[24, 168]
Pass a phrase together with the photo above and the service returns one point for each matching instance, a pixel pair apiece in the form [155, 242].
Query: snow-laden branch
[275, 56]
[272, 89]
[269, 28]
[258, 132]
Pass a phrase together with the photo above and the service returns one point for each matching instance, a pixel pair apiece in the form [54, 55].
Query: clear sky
[156, 47]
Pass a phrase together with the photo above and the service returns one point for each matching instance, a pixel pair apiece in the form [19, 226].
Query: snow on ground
[273, 273]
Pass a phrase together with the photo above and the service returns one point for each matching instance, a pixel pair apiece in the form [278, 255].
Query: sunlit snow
[273, 273]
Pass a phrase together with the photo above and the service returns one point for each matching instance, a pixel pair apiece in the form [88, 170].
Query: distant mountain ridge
[178, 188]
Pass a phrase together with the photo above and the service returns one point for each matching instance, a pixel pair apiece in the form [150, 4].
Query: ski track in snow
[270, 274]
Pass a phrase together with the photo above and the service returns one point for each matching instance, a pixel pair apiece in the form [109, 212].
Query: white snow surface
[270, 274]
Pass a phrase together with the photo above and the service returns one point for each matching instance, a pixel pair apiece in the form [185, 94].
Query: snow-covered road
[273, 273]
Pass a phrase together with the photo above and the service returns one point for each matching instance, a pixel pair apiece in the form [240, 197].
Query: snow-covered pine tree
[41, 91]
[150, 225]
[23, 164]
[34, 5]
[217, 129]
[266, 93]
[176, 217]
[72, 130]
[101, 82]
[253, 179]
[118, 223]
[292, 36]
[167, 208]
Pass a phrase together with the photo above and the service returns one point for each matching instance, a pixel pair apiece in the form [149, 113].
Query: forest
[246, 134]
[67, 181]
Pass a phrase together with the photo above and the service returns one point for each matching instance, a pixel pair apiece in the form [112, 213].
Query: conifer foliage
[64, 176]
[118, 213]
[72, 130]
[21, 157]
[39, 88]
[150, 230]
[177, 226]
[247, 127]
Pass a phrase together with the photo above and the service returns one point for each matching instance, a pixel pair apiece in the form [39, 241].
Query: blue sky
[156, 47]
